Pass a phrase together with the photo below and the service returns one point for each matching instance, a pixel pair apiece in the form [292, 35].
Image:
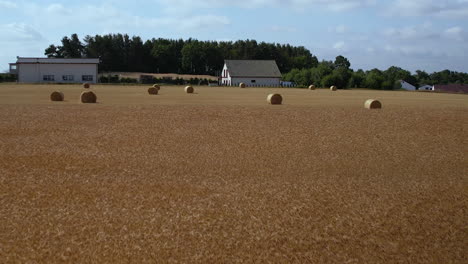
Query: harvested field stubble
[232, 184]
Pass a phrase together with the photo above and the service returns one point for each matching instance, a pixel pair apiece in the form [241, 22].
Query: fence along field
[222, 176]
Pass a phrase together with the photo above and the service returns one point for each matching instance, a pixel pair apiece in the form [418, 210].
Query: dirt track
[184, 181]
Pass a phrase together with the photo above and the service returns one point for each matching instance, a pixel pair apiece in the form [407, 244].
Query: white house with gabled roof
[407, 86]
[254, 73]
[55, 70]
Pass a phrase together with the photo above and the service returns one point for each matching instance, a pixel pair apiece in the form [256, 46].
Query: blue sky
[430, 35]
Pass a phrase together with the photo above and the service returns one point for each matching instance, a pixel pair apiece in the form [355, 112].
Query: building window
[68, 77]
[253, 81]
[87, 78]
[48, 78]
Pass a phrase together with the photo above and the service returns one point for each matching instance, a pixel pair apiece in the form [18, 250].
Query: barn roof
[21, 60]
[253, 68]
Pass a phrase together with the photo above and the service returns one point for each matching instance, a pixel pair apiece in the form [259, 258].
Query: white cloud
[412, 33]
[186, 23]
[456, 33]
[7, 4]
[340, 29]
[439, 8]
[340, 46]
[283, 29]
[423, 33]
[334, 5]
[108, 18]
[15, 32]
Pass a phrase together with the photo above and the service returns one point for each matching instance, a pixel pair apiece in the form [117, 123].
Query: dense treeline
[339, 73]
[6, 77]
[121, 53]
[131, 54]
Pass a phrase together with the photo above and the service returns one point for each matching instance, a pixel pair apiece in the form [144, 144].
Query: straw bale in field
[275, 99]
[242, 85]
[333, 88]
[56, 96]
[189, 89]
[156, 86]
[373, 104]
[312, 87]
[153, 90]
[86, 85]
[88, 97]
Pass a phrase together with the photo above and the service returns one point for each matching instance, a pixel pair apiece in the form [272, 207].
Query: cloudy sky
[431, 35]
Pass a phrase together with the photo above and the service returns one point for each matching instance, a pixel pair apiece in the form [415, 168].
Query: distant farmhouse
[407, 86]
[425, 88]
[55, 70]
[445, 88]
[254, 73]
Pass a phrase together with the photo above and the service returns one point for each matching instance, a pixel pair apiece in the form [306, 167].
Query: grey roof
[57, 60]
[253, 68]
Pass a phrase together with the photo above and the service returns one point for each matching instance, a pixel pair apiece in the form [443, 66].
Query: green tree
[342, 62]
[341, 77]
[329, 80]
[193, 58]
[374, 79]
[53, 52]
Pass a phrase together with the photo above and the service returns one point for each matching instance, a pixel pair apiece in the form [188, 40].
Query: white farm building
[55, 70]
[407, 86]
[254, 73]
[426, 88]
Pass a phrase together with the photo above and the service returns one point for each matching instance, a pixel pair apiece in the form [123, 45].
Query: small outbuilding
[426, 87]
[55, 70]
[253, 73]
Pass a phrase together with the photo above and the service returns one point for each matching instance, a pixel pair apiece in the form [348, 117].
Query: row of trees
[5, 77]
[121, 53]
[131, 54]
[339, 73]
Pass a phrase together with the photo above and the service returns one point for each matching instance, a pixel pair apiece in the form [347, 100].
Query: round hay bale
[312, 87]
[86, 85]
[373, 104]
[153, 90]
[242, 85]
[275, 99]
[88, 97]
[56, 96]
[156, 86]
[189, 89]
[333, 88]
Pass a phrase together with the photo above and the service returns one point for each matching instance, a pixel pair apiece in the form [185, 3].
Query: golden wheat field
[220, 176]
